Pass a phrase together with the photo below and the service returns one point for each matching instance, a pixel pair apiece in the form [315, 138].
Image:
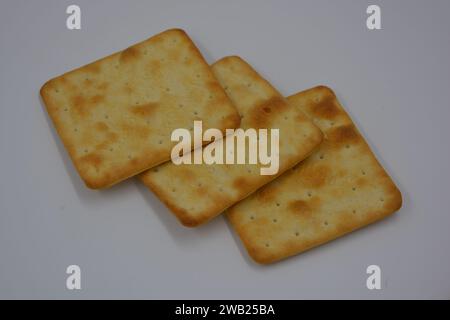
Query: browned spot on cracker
[129, 54]
[300, 117]
[300, 207]
[128, 89]
[340, 173]
[145, 110]
[267, 194]
[185, 173]
[93, 67]
[103, 86]
[101, 126]
[217, 99]
[80, 105]
[97, 99]
[214, 86]
[108, 140]
[112, 137]
[92, 159]
[61, 80]
[154, 65]
[361, 182]
[326, 109]
[314, 176]
[202, 191]
[242, 184]
[344, 134]
[261, 223]
[66, 84]
[231, 121]
[261, 115]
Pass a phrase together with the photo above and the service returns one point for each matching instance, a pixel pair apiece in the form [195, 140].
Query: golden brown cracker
[339, 188]
[115, 116]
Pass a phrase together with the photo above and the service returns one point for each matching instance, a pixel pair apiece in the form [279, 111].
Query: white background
[394, 82]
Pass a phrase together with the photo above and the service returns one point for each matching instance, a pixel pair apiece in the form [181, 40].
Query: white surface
[394, 82]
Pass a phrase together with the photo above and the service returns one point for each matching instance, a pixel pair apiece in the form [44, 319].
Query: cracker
[197, 193]
[339, 188]
[115, 116]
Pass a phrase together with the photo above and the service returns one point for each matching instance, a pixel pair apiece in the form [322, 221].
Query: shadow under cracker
[181, 234]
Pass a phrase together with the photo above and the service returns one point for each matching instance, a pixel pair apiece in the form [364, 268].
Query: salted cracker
[339, 188]
[115, 116]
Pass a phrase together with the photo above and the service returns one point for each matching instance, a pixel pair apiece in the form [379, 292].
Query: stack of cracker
[115, 117]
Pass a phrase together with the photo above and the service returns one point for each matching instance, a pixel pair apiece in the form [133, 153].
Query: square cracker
[115, 116]
[339, 188]
[197, 193]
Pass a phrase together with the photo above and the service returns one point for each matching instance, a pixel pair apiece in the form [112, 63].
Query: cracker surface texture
[339, 188]
[197, 193]
[115, 116]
